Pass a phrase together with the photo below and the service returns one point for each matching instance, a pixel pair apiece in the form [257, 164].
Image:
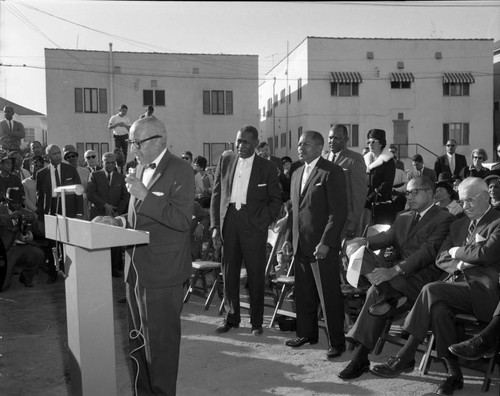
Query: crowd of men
[442, 261]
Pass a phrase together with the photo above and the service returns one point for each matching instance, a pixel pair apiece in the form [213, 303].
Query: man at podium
[161, 202]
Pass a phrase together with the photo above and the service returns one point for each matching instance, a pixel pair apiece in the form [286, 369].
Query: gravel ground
[34, 355]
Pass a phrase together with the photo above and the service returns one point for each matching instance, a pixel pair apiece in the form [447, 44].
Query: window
[269, 107]
[276, 100]
[263, 111]
[400, 84]
[282, 96]
[299, 89]
[344, 89]
[290, 139]
[283, 139]
[456, 89]
[289, 94]
[154, 97]
[299, 133]
[275, 143]
[458, 131]
[213, 151]
[91, 100]
[217, 102]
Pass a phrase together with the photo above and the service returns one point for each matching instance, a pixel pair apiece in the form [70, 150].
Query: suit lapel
[231, 169]
[254, 176]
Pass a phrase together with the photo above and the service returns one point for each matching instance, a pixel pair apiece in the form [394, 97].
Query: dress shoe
[450, 384]
[472, 349]
[299, 341]
[354, 369]
[257, 330]
[387, 305]
[226, 326]
[335, 351]
[25, 282]
[393, 367]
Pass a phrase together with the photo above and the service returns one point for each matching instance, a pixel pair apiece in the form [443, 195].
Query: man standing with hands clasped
[161, 202]
[319, 206]
[246, 199]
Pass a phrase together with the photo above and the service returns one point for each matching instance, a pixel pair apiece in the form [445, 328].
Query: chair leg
[491, 368]
[192, 283]
[381, 341]
[213, 290]
[278, 306]
[426, 358]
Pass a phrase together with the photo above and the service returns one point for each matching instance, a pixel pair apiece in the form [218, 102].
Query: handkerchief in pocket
[480, 238]
[158, 193]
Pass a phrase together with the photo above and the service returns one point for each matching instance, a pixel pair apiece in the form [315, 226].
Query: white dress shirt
[240, 181]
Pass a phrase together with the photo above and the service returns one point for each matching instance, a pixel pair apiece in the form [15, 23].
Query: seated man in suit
[108, 196]
[471, 252]
[416, 237]
[419, 169]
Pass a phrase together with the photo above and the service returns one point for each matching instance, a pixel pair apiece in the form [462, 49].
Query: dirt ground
[34, 355]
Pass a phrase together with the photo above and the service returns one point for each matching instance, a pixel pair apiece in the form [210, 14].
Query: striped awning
[346, 77]
[458, 78]
[402, 77]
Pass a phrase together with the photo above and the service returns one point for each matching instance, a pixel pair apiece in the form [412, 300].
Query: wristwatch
[399, 270]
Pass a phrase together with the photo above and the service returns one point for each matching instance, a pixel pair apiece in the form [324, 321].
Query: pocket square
[318, 184]
[158, 193]
[262, 185]
[480, 238]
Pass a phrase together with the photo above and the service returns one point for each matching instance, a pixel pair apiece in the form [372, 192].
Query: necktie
[452, 163]
[10, 125]
[305, 176]
[152, 165]
[58, 179]
[471, 229]
[109, 178]
[415, 221]
[334, 157]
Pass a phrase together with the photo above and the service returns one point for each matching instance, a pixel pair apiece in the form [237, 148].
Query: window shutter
[465, 136]
[103, 101]
[206, 102]
[160, 97]
[446, 132]
[355, 135]
[229, 102]
[147, 97]
[78, 100]
[446, 89]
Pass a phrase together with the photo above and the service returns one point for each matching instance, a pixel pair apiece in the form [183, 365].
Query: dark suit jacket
[277, 162]
[442, 164]
[483, 251]
[320, 212]
[99, 192]
[44, 188]
[426, 172]
[166, 214]
[418, 247]
[11, 139]
[263, 195]
[354, 168]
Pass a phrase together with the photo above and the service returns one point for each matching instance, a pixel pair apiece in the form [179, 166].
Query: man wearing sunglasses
[91, 161]
[470, 252]
[416, 237]
[451, 162]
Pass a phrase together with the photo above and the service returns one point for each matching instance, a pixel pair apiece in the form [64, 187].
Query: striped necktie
[471, 229]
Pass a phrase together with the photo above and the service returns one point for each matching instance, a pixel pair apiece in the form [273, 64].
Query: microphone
[76, 189]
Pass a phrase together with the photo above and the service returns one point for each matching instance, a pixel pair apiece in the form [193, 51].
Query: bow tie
[152, 165]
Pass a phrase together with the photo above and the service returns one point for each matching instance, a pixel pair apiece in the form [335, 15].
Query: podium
[89, 299]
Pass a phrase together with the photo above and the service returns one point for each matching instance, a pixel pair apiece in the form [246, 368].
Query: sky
[266, 29]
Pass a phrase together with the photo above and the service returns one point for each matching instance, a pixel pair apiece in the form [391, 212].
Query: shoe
[25, 282]
[257, 330]
[473, 349]
[299, 341]
[385, 306]
[226, 326]
[393, 367]
[335, 351]
[354, 369]
[450, 384]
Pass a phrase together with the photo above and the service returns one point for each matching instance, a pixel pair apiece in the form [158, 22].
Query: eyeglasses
[137, 143]
[450, 145]
[372, 142]
[90, 156]
[71, 156]
[415, 191]
[469, 201]
[477, 158]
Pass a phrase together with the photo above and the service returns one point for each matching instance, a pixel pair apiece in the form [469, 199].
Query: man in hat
[70, 155]
[17, 226]
[11, 132]
[7, 179]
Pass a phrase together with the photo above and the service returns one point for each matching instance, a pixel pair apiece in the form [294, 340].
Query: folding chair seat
[467, 325]
[201, 270]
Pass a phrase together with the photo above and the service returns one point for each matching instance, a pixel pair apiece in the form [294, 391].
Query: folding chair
[465, 323]
[286, 282]
[201, 270]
